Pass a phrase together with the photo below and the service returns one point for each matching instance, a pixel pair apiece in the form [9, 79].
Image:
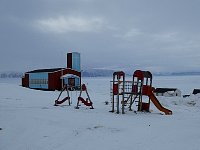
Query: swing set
[70, 88]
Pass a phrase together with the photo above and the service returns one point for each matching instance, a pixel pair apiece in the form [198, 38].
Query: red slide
[157, 103]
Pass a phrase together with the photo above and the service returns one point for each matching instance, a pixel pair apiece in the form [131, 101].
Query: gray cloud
[155, 35]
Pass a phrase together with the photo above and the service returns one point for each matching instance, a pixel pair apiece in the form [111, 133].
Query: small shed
[72, 80]
[168, 92]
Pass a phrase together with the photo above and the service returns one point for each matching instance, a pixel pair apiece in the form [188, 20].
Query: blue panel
[77, 81]
[38, 80]
[76, 61]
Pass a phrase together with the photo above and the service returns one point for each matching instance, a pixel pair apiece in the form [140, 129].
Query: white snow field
[29, 121]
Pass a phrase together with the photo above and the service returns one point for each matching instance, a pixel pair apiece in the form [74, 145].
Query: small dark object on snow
[106, 102]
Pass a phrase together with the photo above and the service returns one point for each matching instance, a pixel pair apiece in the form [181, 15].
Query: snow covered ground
[29, 121]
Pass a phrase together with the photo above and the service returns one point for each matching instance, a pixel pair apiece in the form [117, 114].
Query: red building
[54, 79]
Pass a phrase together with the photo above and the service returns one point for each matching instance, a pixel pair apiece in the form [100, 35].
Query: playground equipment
[86, 101]
[133, 91]
[118, 85]
[58, 102]
[141, 81]
[69, 88]
[156, 102]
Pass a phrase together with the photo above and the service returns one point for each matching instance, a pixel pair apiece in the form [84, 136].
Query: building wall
[38, 80]
[55, 82]
[69, 60]
[25, 80]
[76, 61]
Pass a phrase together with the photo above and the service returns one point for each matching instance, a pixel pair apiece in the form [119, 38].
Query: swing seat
[85, 102]
[57, 102]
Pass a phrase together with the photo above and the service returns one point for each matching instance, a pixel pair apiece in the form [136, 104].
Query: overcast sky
[154, 35]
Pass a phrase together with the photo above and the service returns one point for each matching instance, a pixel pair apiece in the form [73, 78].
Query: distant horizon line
[101, 73]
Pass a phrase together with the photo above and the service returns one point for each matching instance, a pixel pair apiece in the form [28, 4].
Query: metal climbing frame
[117, 90]
[128, 92]
[141, 81]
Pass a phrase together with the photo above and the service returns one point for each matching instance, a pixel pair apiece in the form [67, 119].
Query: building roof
[163, 90]
[69, 75]
[45, 70]
[196, 91]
